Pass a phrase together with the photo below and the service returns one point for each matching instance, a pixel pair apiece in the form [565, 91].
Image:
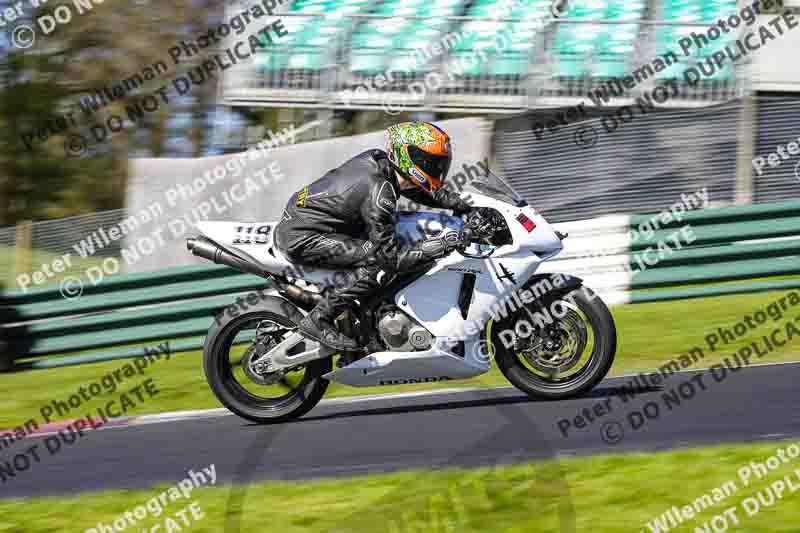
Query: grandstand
[525, 58]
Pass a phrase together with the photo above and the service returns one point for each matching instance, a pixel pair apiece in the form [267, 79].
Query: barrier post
[745, 150]
[6, 357]
[22, 248]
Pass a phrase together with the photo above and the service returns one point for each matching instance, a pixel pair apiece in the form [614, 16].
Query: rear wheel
[230, 356]
[558, 350]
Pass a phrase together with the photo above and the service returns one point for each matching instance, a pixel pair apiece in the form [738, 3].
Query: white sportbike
[550, 336]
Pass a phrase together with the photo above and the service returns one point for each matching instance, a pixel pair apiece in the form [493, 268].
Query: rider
[345, 219]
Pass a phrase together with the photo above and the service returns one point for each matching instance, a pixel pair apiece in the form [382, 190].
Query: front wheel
[230, 355]
[557, 350]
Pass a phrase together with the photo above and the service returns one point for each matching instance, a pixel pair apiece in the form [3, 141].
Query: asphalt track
[351, 437]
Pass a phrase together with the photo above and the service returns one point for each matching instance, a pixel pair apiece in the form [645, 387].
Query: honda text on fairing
[551, 336]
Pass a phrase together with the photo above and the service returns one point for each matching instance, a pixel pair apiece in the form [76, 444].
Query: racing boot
[319, 326]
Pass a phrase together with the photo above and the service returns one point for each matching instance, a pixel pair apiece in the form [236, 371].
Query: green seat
[609, 67]
[570, 67]
[270, 61]
[510, 64]
[471, 68]
[706, 12]
[308, 58]
[367, 61]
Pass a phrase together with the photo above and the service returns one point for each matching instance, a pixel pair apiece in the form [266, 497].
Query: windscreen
[492, 186]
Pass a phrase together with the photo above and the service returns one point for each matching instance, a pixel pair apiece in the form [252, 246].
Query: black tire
[237, 399]
[6, 358]
[599, 363]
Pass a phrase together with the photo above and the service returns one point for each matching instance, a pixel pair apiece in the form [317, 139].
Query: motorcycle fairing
[432, 299]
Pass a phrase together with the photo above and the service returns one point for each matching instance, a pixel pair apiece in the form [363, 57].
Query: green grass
[38, 258]
[605, 494]
[649, 335]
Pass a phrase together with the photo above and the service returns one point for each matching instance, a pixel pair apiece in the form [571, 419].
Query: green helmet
[421, 151]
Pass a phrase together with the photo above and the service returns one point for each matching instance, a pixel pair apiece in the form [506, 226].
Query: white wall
[775, 66]
[150, 181]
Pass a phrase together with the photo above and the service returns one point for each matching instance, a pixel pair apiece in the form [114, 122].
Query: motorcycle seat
[274, 261]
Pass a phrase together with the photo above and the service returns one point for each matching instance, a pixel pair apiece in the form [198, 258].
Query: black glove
[441, 246]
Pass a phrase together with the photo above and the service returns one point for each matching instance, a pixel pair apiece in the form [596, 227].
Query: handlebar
[475, 256]
[469, 233]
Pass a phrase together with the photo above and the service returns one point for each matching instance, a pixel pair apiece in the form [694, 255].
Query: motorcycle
[551, 336]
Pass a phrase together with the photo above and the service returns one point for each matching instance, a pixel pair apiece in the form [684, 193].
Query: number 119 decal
[252, 234]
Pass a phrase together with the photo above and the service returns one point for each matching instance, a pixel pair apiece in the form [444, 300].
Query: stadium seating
[309, 43]
[508, 45]
[598, 50]
[381, 44]
[692, 12]
[574, 50]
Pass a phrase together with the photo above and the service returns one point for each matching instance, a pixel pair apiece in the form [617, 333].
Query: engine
[401, 334]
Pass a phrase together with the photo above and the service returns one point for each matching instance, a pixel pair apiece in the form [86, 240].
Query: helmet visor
[435, 166]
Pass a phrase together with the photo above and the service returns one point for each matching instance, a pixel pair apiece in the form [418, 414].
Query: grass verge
[609, 494]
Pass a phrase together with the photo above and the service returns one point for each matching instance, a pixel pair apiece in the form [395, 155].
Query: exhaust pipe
[207, 249]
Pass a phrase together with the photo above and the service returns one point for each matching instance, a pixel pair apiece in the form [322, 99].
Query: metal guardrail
[112, 319]
[743, 243]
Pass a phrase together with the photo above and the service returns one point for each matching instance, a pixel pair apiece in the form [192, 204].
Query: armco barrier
[733, 250]
[107, 319]
[743, 244]
[6, 358]
[736, 250]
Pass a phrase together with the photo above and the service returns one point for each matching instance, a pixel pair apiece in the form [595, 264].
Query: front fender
[550, 286]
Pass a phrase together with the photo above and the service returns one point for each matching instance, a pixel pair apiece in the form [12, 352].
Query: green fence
[118, 313]
[735, 250]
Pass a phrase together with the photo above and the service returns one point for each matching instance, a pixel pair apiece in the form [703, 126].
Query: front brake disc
[553, 356]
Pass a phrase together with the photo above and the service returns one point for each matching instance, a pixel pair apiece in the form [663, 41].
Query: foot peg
[325, 334]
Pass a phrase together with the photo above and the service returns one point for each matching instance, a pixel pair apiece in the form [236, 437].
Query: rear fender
[265, 302]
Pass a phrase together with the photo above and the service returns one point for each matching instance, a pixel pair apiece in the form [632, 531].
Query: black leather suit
[345, 220]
